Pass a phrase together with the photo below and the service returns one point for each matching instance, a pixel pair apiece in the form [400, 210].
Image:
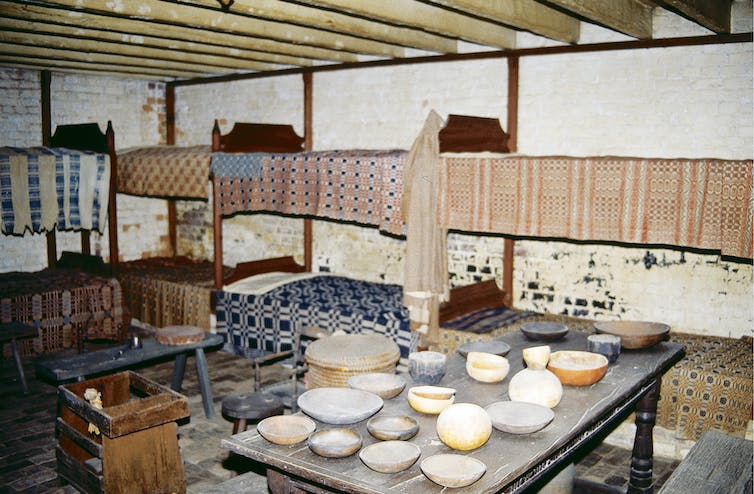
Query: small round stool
[250, 406]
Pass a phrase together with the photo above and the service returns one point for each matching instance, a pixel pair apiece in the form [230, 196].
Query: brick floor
[27, 433]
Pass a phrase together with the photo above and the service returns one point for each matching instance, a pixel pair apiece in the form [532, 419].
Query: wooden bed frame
[89, 137]
[460, 134]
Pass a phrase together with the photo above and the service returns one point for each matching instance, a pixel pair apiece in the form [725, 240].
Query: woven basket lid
[352, 351]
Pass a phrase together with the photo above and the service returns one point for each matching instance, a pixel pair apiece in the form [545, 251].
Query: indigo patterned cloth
[42, 188]
[247, 165]
[269, 321]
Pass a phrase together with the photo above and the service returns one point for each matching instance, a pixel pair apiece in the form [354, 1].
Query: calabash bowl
[576, 368]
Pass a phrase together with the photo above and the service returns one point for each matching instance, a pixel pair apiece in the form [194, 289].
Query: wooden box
[136, 449]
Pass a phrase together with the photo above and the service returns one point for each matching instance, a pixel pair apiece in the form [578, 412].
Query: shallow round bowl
[496, 347]
[339, 405]
[464, 426]
[431, 399]
[634, 334]
[519, 417]
[384, 385]
[286, 429]
[334, 443]
[544, 330]
[390, 456]
[575, 368]
[451, 470]
[392, 428]
[487, 367]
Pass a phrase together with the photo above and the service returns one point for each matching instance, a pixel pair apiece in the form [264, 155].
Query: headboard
[464, 133]
[257, 137]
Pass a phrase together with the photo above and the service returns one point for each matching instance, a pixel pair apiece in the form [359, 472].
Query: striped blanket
[700, 203]
[43, 188]
[360, 186]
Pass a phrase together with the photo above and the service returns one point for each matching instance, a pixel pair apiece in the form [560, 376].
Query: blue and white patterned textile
[42, 188]
[268, 321]
[240, 165]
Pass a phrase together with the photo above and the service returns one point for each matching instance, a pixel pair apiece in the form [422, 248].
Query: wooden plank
[712, 14]
[78, 473]
[256, 48]
[631, 17]
[62, 428]
[217, 20]
[717, 464]
[331, 20]
[32, 62]
[524, 14]
[427, 17]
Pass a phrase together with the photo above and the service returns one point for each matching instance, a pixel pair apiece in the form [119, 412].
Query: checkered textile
[165, 171]
[43, 188]
[63, 304]
[360, 186]
[700, 203]
[268, 321]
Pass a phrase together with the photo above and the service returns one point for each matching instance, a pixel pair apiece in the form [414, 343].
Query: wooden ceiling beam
[212, 62]
[191, 16]
[712, 14]
[257, 48]
[631, 17]
[329, 20]
[31, 24]
[528, 15]
[426, 17]
[168, 66]
[85, 68]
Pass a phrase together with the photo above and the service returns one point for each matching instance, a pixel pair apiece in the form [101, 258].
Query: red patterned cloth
[701, 203]
[63, 304]
[362, 186]
[165, 171]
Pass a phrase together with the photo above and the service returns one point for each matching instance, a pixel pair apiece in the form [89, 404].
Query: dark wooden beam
[45, 80]
[308, 144]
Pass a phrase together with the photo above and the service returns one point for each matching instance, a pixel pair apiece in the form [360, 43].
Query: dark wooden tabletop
[512, 461]
[119, 357]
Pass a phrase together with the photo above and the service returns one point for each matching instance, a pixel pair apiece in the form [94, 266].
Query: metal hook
[225, 4]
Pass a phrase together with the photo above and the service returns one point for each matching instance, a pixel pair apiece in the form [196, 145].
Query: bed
[64, 186]
[365, 187]
[177, 290]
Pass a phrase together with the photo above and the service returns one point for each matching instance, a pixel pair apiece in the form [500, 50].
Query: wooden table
[77, 367]
[514, 462]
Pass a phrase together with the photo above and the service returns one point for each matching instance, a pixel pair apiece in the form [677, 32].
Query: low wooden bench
[717, 464]
[10, 332]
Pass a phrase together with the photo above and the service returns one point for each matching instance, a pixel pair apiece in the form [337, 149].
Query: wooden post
[512, 124]
[640, 480]
[112, 210]
[308, 144]
[170, 140]
[44, 82]
[217, 221]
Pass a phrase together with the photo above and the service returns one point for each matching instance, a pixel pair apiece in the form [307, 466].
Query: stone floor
[27, 434]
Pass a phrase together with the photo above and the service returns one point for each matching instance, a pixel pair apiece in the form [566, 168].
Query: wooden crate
[137, 448]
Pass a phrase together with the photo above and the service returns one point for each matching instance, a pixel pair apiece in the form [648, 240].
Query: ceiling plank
[66, 54]
[712, 14]
[630, 17]
[259, 47]
[34, 25]
[87, 68]
[98, 46]
[523, 14]
[186, 15]
[333, 21]
[426, 17]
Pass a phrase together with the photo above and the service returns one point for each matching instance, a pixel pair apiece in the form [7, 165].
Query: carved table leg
[641, 459]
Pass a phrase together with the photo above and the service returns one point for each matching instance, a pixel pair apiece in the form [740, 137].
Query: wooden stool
[11, 331]
[250, 406]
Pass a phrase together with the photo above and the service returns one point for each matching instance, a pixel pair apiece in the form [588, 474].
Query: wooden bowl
[390, 456]
[392, 427]
[382, 384]
[339, 405]
[334, 443]
[635, 334]
[487, 367]
[519, 417]
[544, 330]
[286, 429]
[451, 470]
[431, 399]
[496, 347]
[575, 368]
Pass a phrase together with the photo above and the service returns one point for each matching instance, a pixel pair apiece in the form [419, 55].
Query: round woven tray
[334, 359]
